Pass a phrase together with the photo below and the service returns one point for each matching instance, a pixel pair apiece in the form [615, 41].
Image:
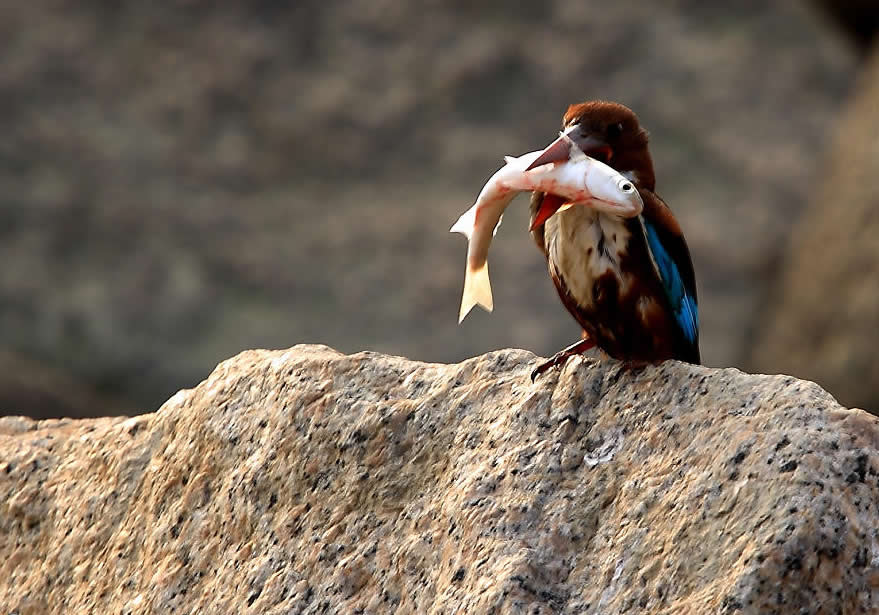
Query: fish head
[611, 192]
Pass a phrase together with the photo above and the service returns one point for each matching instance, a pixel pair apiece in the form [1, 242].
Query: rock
[822, 322]
[307, 481]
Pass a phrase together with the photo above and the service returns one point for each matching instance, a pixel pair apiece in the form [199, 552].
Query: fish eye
[627, 187]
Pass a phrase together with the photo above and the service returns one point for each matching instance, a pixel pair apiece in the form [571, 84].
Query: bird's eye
[614, 130]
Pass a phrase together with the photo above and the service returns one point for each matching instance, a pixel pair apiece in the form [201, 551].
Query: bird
[628, 282]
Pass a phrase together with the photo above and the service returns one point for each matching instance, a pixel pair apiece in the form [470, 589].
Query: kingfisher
[628, 282]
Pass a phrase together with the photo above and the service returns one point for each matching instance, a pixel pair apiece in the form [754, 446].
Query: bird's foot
[561, 357]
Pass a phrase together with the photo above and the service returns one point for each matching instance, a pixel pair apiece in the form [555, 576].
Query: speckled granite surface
[306, 481]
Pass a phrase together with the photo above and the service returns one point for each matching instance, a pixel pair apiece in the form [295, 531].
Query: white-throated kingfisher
[628, 282]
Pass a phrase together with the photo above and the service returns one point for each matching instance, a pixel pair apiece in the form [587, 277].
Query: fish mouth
[614, 208]
[563, 148]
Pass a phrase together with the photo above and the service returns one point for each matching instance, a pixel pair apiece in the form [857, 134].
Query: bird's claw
[558, 359]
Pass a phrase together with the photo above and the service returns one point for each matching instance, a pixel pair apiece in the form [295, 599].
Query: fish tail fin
[477, 291]
[465, 223]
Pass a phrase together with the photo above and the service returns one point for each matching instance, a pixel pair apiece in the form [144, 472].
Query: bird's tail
[477, 291]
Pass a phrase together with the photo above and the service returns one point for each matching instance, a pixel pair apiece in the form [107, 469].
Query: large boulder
[307, 481]
[822, 320]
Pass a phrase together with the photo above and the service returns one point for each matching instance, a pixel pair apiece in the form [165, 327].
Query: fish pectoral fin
[497, 226]
[465, 223]
[477, 291]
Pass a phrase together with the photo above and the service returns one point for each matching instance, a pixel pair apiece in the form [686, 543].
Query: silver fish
[580, 180]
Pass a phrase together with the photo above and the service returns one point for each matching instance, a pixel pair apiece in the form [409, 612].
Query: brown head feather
[619, 126]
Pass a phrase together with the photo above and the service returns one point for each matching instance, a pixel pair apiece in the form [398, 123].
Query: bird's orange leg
[559, 358]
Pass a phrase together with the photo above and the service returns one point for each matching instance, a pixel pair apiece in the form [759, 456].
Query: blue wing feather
[683, 304]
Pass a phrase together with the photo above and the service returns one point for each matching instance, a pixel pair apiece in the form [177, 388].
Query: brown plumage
[629, 283]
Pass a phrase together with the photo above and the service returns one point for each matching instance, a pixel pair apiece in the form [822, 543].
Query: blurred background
[180, 181]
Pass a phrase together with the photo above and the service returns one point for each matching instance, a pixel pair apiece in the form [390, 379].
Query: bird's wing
[671, 256]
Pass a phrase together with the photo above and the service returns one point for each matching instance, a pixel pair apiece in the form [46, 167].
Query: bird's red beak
[560, 150]
[550, 204]
[557, 151]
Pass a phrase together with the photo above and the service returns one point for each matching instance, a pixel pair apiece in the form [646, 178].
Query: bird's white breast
[571, 233]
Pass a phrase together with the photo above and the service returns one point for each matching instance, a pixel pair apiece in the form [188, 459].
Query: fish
[484, 215]
[581, 180]
[578, 180]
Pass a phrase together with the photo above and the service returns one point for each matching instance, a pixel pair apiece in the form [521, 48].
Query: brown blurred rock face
[823, 320]
[184, 181]
[859, 19]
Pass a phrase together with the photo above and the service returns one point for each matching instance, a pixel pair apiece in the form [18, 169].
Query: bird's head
[609, 132]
